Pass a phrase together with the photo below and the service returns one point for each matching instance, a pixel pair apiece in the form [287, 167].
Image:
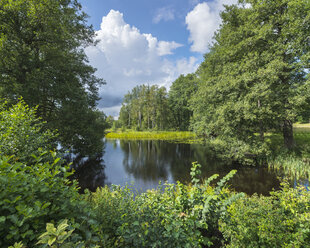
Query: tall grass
[292, 165]
[154, 135]
[295, 164]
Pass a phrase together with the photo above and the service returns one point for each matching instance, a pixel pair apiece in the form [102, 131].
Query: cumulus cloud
[165, 14]
[125, 57]
[166, 47]
[203, 21]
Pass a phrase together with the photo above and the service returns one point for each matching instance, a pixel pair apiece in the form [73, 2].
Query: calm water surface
[145, 163]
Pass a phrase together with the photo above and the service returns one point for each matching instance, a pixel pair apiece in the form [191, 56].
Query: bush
[281, 220]
[31, 196]
[22, 133]
[174, 215]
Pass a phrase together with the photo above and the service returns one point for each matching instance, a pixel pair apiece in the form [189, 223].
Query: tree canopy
[180, 93]
[146, 107]
[255, 77]
[42, 60]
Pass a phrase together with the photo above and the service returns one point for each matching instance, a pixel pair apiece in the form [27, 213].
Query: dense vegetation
[43, 61]
[152, 108]
[251, 87]
[255, 78]
[174, 215]
[145, 107]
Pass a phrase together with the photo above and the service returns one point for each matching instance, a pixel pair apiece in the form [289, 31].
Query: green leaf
[51, 240]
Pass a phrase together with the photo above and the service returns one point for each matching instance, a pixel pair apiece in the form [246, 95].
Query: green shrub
[31, 196]
[57, 237]
[281, 220]
[174, 215]
[22, 133]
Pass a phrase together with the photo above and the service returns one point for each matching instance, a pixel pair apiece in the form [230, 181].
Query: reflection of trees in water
[155, 160]
[255, 180]
[145, 159]
[89, 171]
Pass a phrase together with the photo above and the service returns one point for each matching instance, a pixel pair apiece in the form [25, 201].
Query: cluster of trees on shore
[253, 80]
[152, 107]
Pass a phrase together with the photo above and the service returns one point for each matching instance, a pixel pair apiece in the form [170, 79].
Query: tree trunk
[261, 126]
[288, 136]
[139, 119]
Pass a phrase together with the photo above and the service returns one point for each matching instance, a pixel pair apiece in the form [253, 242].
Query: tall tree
[254, 79]
[179, 94]
[146, 107]
[42, 60]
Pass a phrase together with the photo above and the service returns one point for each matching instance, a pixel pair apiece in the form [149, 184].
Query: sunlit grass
[153, 135]
[292, 165]
[296, 164]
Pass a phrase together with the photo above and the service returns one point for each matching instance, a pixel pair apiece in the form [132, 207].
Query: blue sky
[148, 42]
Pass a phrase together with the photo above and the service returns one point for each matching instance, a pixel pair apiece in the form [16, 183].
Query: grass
[295, 164]
[291, 165]
[153, 135]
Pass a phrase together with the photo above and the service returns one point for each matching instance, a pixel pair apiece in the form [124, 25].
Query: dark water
[145, 163]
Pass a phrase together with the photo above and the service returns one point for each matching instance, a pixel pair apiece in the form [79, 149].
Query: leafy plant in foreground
[281, 220]
[174, 215]
[31, 196]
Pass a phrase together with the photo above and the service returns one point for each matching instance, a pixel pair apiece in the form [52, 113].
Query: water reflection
[89, 171]
[144, 163]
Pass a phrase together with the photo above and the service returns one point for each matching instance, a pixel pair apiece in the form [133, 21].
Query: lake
[144, 163]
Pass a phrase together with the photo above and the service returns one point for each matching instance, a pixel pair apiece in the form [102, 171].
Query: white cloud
[203, 21]
[125, 57]
[165, 13]
[166, 47]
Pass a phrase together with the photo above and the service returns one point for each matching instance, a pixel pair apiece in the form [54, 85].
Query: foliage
[55, 237]
[254, 79]
[42, 60]
[145, 107]
[180, 92]
[22, 133]
[171, 216]
[37, 194]
[281, 220]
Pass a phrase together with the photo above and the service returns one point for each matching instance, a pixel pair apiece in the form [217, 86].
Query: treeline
[152, 107]
[254, 80]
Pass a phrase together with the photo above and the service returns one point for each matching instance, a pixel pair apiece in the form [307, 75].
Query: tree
[179, 94]
[254, 79]
[42, 60]
[145, 107]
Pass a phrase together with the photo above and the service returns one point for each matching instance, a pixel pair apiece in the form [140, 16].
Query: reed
[291, 165]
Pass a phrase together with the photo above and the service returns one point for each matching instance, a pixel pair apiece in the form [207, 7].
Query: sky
[148, 42]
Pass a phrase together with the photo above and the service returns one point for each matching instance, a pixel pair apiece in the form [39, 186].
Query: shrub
[22, 133]
[57, 237]
[174, 215]
[281, 220]
[31, 196]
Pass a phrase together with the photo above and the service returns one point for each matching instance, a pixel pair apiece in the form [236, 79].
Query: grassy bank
[295, 164]
[154, 135]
